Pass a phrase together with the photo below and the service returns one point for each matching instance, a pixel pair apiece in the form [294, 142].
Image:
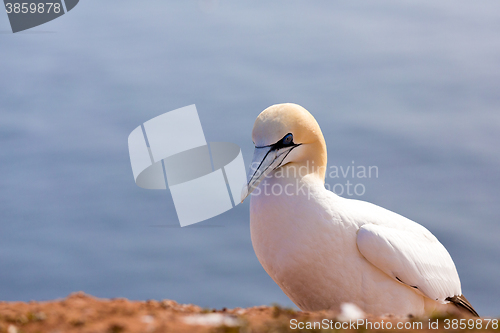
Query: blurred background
[410, 87]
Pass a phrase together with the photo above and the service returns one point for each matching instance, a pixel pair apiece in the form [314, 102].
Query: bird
[324, 250]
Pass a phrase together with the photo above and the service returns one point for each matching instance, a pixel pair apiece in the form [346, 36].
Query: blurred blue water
[409, 87]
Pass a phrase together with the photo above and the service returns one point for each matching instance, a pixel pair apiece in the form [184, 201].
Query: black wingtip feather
[462, 303]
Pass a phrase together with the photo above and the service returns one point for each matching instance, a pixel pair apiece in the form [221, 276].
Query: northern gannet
[324, 250]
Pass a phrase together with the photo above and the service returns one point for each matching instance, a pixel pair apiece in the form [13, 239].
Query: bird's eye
[288, 139]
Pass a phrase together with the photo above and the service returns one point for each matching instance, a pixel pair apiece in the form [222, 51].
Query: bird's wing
[413, 257]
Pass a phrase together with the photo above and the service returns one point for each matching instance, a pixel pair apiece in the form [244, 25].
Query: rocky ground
[83, 313]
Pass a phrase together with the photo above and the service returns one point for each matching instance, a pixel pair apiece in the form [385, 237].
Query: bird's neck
[311, 164]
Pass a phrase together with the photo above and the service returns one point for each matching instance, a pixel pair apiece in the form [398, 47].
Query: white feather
[308, 243]
[413, 255]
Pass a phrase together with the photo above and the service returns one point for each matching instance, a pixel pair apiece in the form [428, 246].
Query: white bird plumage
[324, 250]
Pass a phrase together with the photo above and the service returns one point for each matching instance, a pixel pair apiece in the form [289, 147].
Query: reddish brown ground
[83, 313]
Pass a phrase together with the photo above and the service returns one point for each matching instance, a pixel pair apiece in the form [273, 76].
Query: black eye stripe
[286, 141]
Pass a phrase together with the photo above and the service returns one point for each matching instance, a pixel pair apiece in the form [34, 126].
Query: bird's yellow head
[286, 136]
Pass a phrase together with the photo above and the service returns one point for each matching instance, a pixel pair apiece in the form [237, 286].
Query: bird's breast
[300, 241]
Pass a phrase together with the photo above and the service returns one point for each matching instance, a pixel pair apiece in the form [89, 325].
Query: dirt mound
[83, 313]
